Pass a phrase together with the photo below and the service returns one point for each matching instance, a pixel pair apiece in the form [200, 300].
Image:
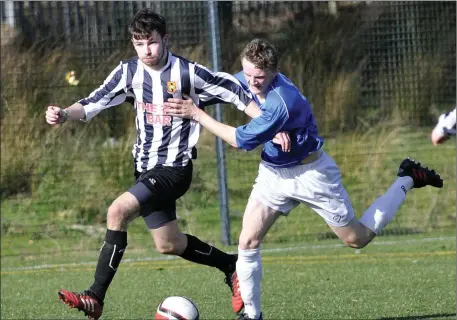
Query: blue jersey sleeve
[263, 128]
[240, 77]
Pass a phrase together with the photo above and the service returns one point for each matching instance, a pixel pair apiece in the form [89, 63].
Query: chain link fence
[377, 74]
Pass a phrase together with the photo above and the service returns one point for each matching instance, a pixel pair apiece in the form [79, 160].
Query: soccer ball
[178, 308]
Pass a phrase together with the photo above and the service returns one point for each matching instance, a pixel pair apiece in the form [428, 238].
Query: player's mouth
[254, 87]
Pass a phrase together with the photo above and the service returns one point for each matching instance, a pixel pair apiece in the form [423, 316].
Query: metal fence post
[9, 13]
[213, 19]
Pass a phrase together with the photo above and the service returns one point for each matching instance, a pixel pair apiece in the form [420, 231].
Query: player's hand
[283, 139]
[438, 137]
[183, 108]
[54, 115]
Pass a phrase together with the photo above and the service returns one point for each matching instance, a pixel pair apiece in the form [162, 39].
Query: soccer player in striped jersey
[306, 174]
[444, 128]
[162, 153]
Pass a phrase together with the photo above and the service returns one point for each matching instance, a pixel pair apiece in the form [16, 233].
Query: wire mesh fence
[376, 73]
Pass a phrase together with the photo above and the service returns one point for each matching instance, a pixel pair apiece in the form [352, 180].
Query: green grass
[404, 280]
[368, 161]
[402, 277]
[54, 179]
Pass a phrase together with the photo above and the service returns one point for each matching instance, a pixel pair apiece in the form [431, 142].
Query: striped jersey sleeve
[111, 93]
[219, 87]
[447, 123]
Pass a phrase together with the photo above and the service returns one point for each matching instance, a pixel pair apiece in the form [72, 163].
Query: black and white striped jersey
[446, 123]
[164, 140]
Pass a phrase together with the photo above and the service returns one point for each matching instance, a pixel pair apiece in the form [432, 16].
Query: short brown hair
[262, 54]
[145, 22]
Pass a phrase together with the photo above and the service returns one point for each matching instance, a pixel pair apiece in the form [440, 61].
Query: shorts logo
[172, 87]
[152, 181]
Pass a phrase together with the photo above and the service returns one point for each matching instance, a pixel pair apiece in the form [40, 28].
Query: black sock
[110, 256]
[200, 252]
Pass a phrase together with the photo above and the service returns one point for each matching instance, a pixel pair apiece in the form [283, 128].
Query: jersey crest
[172, 87]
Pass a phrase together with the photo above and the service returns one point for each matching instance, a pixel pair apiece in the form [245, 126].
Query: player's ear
[274, 73]
[165, 40]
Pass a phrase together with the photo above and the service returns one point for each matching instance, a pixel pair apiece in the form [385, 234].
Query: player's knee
[116, 214]
[167, 248]
[356, 242]
[247, 243]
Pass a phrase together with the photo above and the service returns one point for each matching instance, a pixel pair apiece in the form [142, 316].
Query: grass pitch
[404, 277]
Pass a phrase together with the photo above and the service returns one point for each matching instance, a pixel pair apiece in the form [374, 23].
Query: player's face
[152, 51]
[257, 79]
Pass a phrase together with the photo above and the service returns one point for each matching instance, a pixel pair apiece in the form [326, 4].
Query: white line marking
[164, 258]
[111, 260]
[206, 254]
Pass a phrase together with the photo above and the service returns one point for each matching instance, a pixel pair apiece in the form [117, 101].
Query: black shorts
[157, 191]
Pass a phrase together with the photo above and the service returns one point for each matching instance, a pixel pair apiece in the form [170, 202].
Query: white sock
[379, 214]
[249, 271]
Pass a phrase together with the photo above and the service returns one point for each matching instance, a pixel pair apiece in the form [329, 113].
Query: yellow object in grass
[71, 78]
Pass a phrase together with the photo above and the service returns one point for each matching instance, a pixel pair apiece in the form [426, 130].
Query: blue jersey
[284, 109]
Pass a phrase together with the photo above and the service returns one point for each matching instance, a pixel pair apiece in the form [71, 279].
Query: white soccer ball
[177, 308]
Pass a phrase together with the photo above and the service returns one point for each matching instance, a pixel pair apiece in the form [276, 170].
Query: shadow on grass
[425, 316]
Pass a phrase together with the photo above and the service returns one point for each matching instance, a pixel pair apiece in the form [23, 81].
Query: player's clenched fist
[55, 115]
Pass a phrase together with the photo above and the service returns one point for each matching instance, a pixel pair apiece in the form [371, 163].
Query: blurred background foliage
[377, 74]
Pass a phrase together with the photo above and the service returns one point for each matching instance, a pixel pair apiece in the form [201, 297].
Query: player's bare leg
[123, 210]
[411, 174]
[257, 220]
[168, 239]
[354, 234]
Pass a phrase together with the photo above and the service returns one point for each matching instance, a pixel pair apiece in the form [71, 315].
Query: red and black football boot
[421, 176]
[85, 302]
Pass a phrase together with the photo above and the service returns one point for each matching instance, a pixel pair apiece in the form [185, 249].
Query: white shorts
[317, 184]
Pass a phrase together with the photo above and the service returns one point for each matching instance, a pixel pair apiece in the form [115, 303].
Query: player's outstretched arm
[444, 128]
[253, 110]
[223, 131]
[56, 115]
[438, 136]
[187, 109]
[221, 87]
[256, 132]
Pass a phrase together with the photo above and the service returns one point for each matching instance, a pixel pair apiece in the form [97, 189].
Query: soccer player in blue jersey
[306, 174]
[444, 128]
[162, 153]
